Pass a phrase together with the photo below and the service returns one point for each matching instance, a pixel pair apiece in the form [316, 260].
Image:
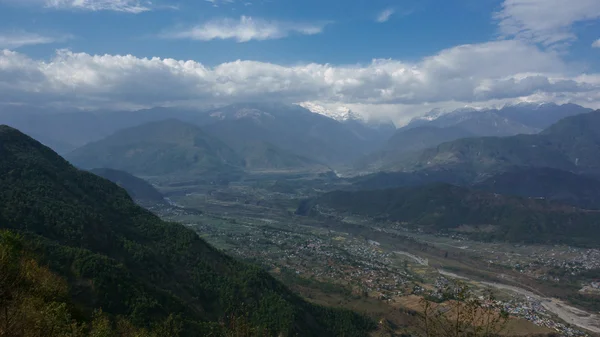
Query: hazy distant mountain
[410, 140]
[374, 131]
[140, 190]
[158, 148]
[572, 144]
[524, 118]
[556, 185]
[475, 122]
[262, 156]
[438, 127]
[291, 128]
[541, 116]
[373, 134]
[65, 131]
[483, 215]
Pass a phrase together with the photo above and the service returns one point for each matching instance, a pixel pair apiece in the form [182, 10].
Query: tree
[462, 314]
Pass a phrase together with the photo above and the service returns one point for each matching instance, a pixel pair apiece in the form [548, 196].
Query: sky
[382, 58]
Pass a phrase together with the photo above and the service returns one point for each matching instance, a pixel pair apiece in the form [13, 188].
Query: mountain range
[295, 129]
[173, 147]
[64, 131]
[411, 140]
[103, 251]
[522, 118]
[310, 133]
[437, 127]
[572, 144]
[288, 127]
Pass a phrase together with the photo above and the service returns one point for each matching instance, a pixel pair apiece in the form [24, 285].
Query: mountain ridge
[525, 117]
[442, 207]
[571, 144]
[139, 189]
[157, 148]
[291, 128]
[123, 259]
[552, 184]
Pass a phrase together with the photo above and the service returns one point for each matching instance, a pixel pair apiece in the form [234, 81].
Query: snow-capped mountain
[438, 113]
[339, 113]
[512, 119]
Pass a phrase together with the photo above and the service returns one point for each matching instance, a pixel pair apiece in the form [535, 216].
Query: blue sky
[429, 53]
[350, 34]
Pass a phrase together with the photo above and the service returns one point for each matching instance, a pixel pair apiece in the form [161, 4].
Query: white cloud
[245, 29]
[385, 15]
[216, 3]
[14, 40]
[126, 6]
[488, 72]
[596, 44]
[548, 22]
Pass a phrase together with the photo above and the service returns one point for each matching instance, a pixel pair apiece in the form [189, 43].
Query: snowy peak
[511, 119]
[339, 113]
[437, 113]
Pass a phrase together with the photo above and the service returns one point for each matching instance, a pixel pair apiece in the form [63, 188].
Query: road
[419, 260]
[567, 313]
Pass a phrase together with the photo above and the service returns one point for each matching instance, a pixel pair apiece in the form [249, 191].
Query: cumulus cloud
[470, 73]
[14, 40]
[547, 22]
[385, 15]
[126, 6]
[596, 44]
[244, 30]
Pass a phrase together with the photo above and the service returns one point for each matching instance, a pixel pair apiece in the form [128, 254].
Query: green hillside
[443, 207]
[572, 144]
[158, 148]
[116, 256]
[139, 189]
[555, 185]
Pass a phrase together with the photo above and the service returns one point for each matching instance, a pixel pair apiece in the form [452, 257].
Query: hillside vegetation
[551, 184]
[481, 215]
[115, 256]
[139, 189]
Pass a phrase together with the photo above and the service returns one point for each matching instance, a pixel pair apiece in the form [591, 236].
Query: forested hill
[114, 255]
[139, 189]
[483, 215]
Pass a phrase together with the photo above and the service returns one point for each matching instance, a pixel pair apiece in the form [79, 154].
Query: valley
[273, 224]
[341, 168]
[379, 270]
